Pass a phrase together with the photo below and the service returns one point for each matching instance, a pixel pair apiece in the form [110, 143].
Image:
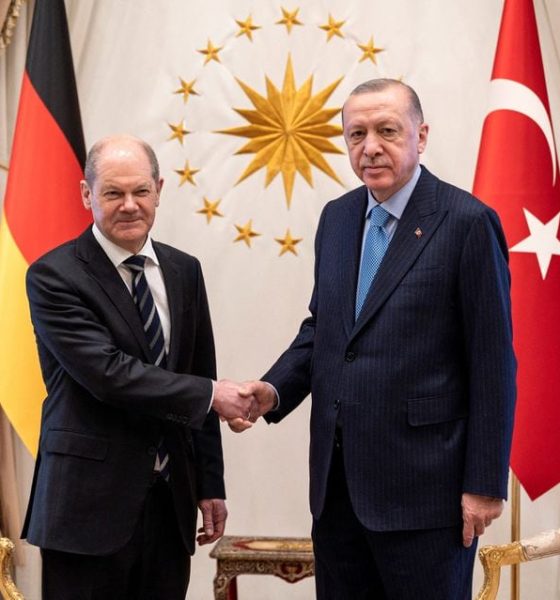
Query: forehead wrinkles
[123, 168]
[392, 103]
[124, 181]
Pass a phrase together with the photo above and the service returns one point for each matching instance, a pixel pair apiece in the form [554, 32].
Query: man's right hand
[265, 399]
[233, 400]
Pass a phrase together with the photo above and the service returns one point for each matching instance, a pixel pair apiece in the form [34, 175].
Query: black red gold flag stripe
[42, 207]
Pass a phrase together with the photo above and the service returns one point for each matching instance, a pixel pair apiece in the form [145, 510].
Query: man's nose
[129, 202]
[372, 145]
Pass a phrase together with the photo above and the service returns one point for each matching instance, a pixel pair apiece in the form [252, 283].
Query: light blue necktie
[375, 247]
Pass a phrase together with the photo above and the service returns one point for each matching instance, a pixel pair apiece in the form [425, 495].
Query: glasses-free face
[124, 197]
[384, 138]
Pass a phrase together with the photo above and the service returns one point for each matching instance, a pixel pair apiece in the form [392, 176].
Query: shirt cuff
[212, 396]
[277, 404]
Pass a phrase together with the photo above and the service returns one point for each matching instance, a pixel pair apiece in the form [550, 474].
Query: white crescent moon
[506, 94]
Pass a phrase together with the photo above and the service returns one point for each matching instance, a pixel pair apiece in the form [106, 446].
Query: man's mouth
[374, 167]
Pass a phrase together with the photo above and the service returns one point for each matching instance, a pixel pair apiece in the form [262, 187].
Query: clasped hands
[241, 404]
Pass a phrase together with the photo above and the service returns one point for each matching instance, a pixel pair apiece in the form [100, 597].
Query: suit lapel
[110, 282]
[352, 227]
[418, 223]
[172, 279]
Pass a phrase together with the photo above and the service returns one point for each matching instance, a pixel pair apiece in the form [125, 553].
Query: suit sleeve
[291, 374]
[484, 289]
[73, 341]
[207, 441]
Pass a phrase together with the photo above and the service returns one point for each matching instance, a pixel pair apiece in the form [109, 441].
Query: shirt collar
[396, 203]
[117, 254]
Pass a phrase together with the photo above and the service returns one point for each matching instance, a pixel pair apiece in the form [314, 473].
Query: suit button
[336, 404]
[350, 356]
[152, 450]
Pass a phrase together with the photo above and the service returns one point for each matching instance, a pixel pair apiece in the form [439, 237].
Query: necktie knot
[378, 216]
[136, 262]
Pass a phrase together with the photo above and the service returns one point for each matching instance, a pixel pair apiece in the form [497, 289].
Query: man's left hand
[214, 515]
[478, 513]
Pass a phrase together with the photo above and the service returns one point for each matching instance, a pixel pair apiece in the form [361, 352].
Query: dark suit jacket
[423, 383]
[107, 408]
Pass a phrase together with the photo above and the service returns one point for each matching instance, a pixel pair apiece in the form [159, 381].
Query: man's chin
[130, 230]
[132, 240]
[379, 186]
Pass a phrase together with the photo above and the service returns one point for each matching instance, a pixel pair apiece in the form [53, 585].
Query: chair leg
[8, 589]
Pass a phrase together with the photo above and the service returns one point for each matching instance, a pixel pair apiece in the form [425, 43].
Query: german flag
[42, 206]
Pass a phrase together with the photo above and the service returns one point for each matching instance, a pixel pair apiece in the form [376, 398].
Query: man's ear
[423, 137]
[158, 189]
[86, 194]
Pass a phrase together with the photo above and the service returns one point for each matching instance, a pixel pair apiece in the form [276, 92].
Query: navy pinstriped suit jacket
[423, 383]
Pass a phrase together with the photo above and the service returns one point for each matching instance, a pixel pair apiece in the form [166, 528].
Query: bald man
[130, 441]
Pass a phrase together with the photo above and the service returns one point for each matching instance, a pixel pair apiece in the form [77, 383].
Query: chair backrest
[493, 558]
[8, 589]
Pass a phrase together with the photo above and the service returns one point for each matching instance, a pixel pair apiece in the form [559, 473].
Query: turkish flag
[517, 174]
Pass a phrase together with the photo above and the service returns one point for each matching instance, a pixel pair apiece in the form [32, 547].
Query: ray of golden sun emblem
[288, 131]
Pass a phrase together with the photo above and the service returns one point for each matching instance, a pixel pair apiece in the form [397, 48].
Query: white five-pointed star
[543, 240]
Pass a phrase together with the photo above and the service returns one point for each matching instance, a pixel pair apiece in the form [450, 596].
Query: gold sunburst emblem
[289, 131]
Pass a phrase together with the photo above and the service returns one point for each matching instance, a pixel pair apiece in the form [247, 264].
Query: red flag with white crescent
[42, 206]
[517, 174]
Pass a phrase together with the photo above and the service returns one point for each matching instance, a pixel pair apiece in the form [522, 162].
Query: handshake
[241, 404]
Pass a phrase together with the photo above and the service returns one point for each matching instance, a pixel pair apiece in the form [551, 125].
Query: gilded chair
[493, 558]
[8, 589]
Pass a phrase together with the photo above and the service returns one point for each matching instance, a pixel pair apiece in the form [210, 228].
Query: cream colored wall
[266, 469]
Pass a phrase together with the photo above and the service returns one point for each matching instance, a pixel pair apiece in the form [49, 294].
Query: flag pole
[515, 531]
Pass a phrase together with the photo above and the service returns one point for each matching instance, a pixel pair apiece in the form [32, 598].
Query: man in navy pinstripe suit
[413, 399]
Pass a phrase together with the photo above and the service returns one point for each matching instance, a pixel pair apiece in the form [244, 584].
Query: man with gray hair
[407, 354]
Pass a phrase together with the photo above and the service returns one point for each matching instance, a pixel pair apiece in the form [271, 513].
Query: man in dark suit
[408, 357]
[130, 440]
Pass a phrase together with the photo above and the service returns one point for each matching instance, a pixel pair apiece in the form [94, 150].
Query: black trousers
[154, 565]
[354, 563]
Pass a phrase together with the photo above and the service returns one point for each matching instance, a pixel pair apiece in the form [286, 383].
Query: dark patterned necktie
[154, 335]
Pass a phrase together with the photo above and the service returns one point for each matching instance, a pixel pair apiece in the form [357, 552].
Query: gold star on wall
[211, 52]
[246, 233]
[186, 174]
[288, 243]
[186, 89]
[210, 209]
[369, 51]
[332, 28]
[178, 132]
[290, 19]
[288, 132]
[246, 27]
